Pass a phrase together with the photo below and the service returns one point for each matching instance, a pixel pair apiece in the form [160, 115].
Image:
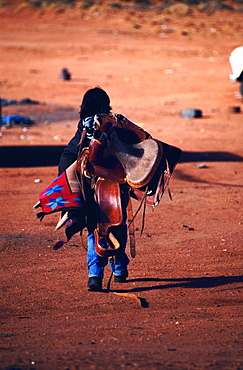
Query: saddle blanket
[63, 194]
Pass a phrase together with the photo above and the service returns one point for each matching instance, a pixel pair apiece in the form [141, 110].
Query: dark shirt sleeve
[70, 153]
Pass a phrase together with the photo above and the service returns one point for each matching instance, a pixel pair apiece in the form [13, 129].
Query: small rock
[191, 113]
[235, 109]
[202, 165]
[65, 75]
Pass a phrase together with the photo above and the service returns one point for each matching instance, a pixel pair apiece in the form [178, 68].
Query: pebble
[189, 228]
[235, 109]
[191, 113]
[202, 165]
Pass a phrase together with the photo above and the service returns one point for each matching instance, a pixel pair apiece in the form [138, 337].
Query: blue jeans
[118, 265]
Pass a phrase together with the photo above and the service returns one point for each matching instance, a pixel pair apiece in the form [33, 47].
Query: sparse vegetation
[51, 3]
[201, 5]
[3, 4]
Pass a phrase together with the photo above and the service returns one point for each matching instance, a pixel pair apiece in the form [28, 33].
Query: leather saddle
[123, 153]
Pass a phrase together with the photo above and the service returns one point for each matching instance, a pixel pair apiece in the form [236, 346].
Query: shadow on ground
[45, 156]
[195, 283]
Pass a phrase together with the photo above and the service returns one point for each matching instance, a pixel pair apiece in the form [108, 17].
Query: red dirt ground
[188, 268]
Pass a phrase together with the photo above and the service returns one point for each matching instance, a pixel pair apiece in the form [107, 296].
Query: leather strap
[131, 229]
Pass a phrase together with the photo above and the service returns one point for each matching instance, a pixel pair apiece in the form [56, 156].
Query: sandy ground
[188, 270]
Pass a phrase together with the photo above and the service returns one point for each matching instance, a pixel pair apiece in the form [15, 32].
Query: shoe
[95, 284]
[121, 278]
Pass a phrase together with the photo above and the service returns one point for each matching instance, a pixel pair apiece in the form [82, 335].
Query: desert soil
[187, 274]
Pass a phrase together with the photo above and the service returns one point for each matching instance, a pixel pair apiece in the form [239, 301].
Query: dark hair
[95, 101]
